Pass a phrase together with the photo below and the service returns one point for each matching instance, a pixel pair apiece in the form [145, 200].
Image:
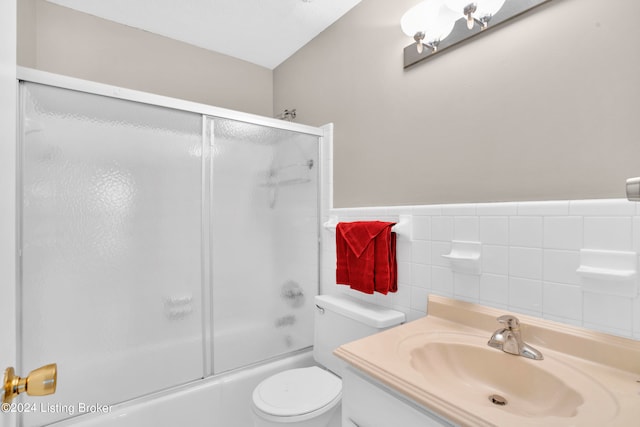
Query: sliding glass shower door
[265, 241]
[158, 246]
[111, 247]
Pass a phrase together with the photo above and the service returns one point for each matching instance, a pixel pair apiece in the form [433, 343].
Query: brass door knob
[39, 382]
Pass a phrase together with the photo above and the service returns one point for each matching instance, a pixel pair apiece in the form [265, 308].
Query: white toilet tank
[340, 319]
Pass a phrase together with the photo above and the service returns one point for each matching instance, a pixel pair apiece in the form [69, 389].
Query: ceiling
[264, 32]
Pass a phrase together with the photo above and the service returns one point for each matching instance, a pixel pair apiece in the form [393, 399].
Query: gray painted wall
[544, 108]
[60, 40]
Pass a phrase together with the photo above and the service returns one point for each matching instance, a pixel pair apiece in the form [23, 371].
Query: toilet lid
[296, 391]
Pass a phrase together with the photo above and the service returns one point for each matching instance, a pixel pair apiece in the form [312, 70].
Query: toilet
[310, 397]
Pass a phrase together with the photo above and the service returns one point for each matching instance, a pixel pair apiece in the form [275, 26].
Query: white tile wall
[494, 290]
[466, 287]
[614, 233]
[525, 263]
[495, 259]
[543, 208]
[562, 301]
[526, 295]
[609, 313]
[421, 227]
[530, 253]
[496, 209]
[525, 231]
[466, 228]
[563, 232]
[561, 266]
[494, 230]
[442, 281]
[442, 228]
[421, 253]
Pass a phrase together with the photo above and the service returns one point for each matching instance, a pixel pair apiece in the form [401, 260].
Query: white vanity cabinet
[369, 403]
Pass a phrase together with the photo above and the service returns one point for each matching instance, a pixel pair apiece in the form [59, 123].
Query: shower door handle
[39, 382]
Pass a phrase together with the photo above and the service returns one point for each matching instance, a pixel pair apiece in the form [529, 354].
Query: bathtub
[219, 401]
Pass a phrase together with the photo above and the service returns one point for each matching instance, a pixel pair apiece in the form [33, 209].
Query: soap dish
[610, 272]
[464, 257]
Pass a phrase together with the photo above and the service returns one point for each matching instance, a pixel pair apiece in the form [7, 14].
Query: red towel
[366, 256]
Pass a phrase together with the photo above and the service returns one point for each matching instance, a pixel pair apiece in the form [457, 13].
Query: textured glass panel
[265, 242]
[111, 235]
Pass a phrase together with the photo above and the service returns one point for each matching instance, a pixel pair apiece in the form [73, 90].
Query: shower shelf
[402, 228]
[292, 181]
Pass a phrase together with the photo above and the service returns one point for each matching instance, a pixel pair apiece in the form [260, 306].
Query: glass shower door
[265, 241]
[111, 247]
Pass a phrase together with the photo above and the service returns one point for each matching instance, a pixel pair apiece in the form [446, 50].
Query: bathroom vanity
[369, 403]
[439, 370]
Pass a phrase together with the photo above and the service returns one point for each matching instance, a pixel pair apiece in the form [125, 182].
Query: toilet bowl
[310, 397]
[305, 397]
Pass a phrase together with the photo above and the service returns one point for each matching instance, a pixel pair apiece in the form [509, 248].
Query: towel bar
[402, 227]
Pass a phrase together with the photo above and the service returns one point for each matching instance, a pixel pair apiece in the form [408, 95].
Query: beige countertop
[587, 378]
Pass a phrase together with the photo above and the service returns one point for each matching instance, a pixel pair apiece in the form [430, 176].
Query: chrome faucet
[509, 339]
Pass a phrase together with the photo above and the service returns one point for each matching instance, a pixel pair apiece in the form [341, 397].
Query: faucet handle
[510, 321]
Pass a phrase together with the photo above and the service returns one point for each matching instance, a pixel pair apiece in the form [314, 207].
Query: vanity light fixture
[430, 22]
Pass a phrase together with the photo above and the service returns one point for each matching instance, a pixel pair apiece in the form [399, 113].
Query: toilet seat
[298, 393]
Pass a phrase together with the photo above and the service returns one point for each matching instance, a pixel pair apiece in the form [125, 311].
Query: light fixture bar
[460, 33]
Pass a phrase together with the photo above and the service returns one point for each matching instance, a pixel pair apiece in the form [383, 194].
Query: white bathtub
[220, 401]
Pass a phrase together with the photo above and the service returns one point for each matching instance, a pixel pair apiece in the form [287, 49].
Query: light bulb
[470, 21]
[488, 7]
[468, 12]
[441, 25]
[458, 6]
[419, 37]
[428, 22]
[413, 20]
[479, 11]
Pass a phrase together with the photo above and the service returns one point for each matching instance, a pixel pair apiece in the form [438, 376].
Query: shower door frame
[209, 114]
[8, 177]
[64, 82]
